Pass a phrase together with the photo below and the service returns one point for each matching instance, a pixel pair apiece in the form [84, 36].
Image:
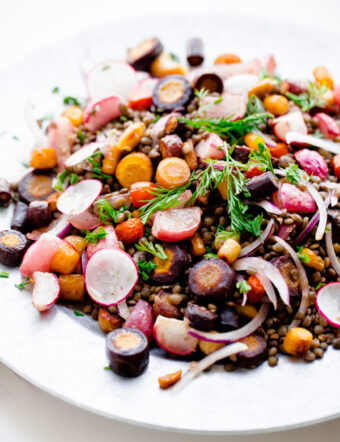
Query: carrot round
[65, 259]
[140, 193]
[43, 158]
[228, 59]
[279, 150]
[133, 168]
[172, 172]
[257, 291]
[111, 159]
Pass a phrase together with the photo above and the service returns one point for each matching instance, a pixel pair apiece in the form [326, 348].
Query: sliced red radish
[84, 152]
[210, 147]
[109, 242]
[293, 199]
[46, 290]
[240, 84]
[142, 318]
[176, 224]
[312, 162]
[110, 276]
[268, 63]
[79, 197]
[172, 335]
[233, 106]
[39, 255]
[292, 122]
[59, 136]
[99, 113]
[327, 125]
[112, 77]
[58, 227]
[149, 83]
[86, 220]
[140, 98]
[327, 302]
[299, 138]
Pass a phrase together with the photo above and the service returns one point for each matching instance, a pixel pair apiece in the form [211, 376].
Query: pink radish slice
[142, 318]
[85, 220]
[292, 122]
[233, 106]
[98, 113]
[59, 136]
[142, 75]
[84, 152]
[268, 63]
[210, 147]
[293, 199]
[110, 276]
[39, 255]
[149, 83]
[79, 197]
[327, 125]
[176, 224]
[327, 302]
[46, 290]
[240, 84]
[172, 335]
[112, 77]
[58, 227]
[109, 242]
[181, 202]
[312, 162]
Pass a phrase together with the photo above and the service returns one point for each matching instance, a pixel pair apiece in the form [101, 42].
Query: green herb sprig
[4, 275]
[64, 178]
[71, 101]
[261, 158]
[96, 169]
[153, 249]
[76, 313]
[26, 281]
[95, 236]
[107, 213]
[145, 268]
[311, 98]
[295, 175]
[243, 287]
[302, 255]
[222, 234]
[210, 254]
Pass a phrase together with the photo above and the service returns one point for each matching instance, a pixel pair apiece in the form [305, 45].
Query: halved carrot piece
[227, 59]
[111, 159]
[65, 259]
[279, 150]
[172, 172]
[43, 158]
[133, 168]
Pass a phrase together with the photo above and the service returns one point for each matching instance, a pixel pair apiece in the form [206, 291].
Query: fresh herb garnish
[96, 169]
[243, 287]
[26, 165]
[154, 249]
[201, 93]
[311, 98]
[321, 284]
[81, 136]
[222, 234]
[107, 213]
[145, 268]
[71, 101]
[261, 158]
[210, 254]
[4, 275]
[263, 74]
[55, 90]
[255, 106]
[318, 134]
[107, 368]
[95, 110]
[77, 313]
[295, 175]
[106, 67]
[64, 178]
[226, 127]
[16, 138]
[47, 117]
[158, 117]
[23, 283]
[95, 236]
[174, 56]
[302, 255]
[328, 229]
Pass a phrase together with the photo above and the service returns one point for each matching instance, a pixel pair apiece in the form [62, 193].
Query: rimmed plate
[64, 354]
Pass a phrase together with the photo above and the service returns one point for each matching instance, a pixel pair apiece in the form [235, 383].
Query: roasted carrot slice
[172, 172]
[133, 168]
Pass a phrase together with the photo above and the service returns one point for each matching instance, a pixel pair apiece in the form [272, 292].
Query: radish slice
[83, 153]
[149, 83]
[210, 147]
[251, 248]
[233, 106]
[59, 134]
[113, 77]
[109, 242]
[330, 146]
[322, 211]
[327, 125]
[123, 309]
[110, 276]
[195, 369]
[39, 255]
[98, 113]
[312, 163]
[58, 227]
[330, 250]
[172, 335]
[327, 302]
[40, 137]
[288, 123]
[272, 273]
[176, 224]
[85, 220]
[141, 317]
[304, 285]
[240, 84]
[234, 335]
[79, 197]
[46, 290]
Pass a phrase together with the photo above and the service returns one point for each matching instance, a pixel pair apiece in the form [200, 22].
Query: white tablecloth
[26, 413]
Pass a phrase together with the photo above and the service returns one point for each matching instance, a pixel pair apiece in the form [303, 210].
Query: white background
[26, 413]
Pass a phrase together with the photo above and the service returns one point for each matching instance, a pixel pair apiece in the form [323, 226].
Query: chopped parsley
[210, 254]
[26, 165]
[255, 106]
[23, 283]
[64, 178]
[71, 101]
[15, 138]
[153, 249]
[295, 175]
[55, 90]
[106, 67]
[321, 284]
[302, 255]
[263, 74]
[311, 98]
[77, 313]
[95, 236]
[81, 136]
[145, 268]
[222, 234]
[261, 158]
[243, 287]
[96, 169]
[158, 117]
[107, 368]
[4, 275]
[107, 213]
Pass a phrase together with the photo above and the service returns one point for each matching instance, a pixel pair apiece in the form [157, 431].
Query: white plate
[54, 351]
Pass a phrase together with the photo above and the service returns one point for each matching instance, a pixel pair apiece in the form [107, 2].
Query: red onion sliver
[322, 211]
[304, 285]
[306, 231]
[268, 206]
[255, 264]
[285, 230]
[328, 145]
[233, 335]
[195, 369]
[251, 248]
[268, 286]
[330, 250]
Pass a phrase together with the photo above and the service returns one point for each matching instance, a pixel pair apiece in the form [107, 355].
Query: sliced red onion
[322, 211]
[304, 285]
[272, 273]
[58, 227]
[268, 286]
[84, 152]
[330, 146]
[234, 335]
[306, 231]
[330, 250]
[255, 245]
[123, 309]
[268, 206]
[285, 230]
[196, 368]
[327, 302]
[78, 198]
[268, 140]
[40, 137]
[280, 172]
